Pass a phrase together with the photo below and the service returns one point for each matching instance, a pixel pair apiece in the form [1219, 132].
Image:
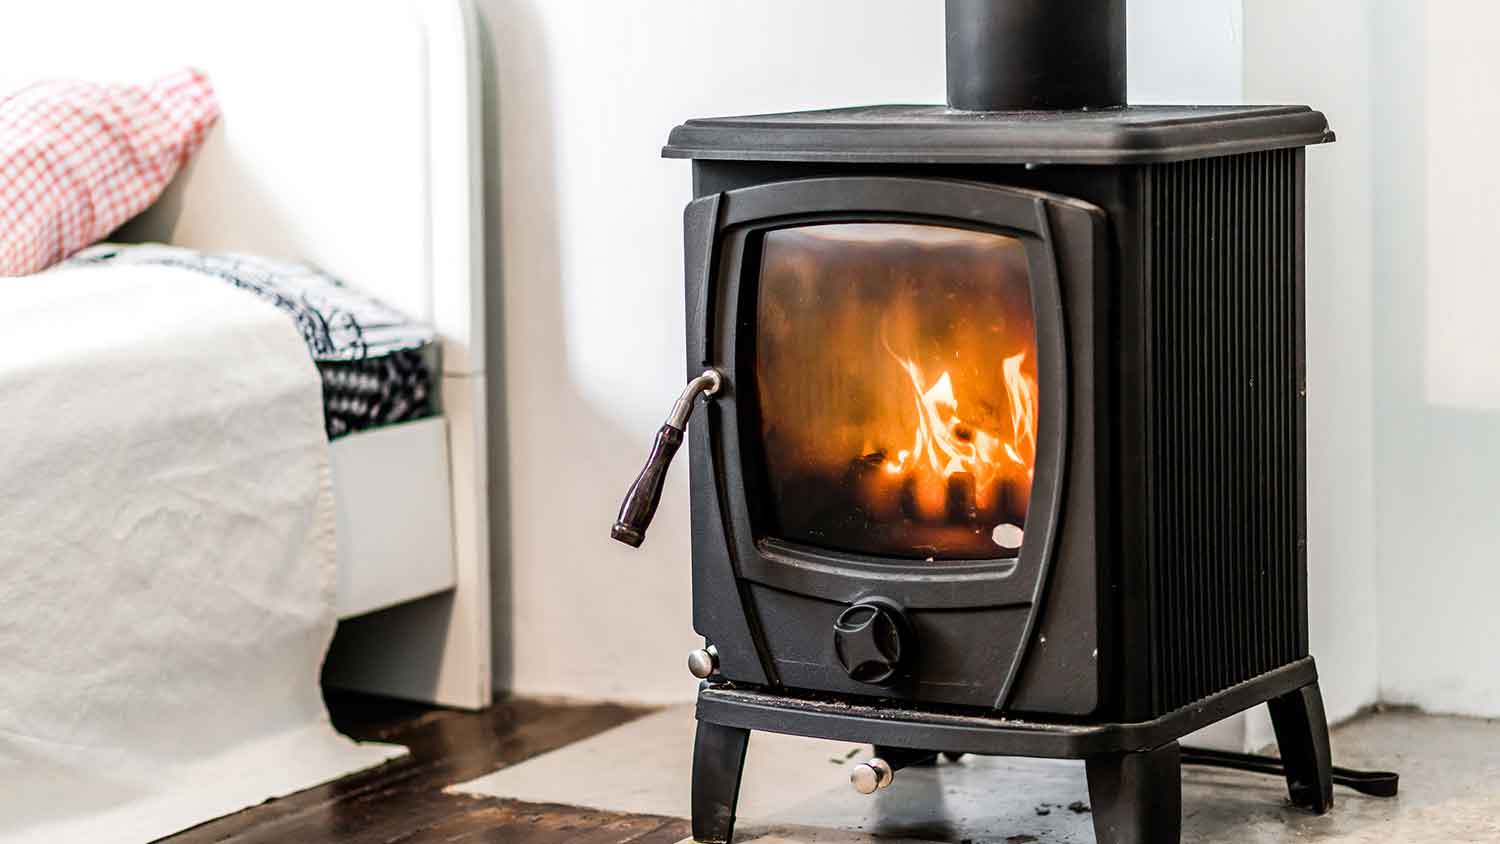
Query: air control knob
[873, 642]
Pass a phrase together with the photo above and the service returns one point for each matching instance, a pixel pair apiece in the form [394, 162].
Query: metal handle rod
[707, 384]
[639, 507]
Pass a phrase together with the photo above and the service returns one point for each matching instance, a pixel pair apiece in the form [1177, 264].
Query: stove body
[1008, 454]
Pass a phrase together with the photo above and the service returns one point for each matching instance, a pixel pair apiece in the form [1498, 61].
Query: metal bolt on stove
[703, 662]
[867, 777]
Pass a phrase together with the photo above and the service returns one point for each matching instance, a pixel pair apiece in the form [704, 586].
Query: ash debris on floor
[1077, 807]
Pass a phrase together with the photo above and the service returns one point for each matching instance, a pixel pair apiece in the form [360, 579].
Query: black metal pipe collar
[1008, 55]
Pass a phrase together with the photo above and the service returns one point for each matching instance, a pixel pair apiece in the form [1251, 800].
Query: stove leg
[718, 761]
[1137, 797]
[1302, 734]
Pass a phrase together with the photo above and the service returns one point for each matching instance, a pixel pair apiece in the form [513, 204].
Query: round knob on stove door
[873, 642]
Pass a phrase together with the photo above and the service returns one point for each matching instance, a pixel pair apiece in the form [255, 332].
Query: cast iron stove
[1002, 450]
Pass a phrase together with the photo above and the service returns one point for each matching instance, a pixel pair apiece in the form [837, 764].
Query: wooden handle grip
[640, 503]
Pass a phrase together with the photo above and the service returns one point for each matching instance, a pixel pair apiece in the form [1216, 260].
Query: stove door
[878, 487]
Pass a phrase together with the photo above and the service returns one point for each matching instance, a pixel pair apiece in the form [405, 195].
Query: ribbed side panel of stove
[1226, 532]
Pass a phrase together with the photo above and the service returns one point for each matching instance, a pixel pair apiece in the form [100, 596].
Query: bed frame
[350, 138]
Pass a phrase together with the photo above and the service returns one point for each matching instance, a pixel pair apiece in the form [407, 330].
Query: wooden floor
[402, 802]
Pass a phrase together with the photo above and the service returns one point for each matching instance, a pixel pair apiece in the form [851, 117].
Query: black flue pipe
[1006, 55]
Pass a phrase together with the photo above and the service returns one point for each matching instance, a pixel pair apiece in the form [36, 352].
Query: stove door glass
[895, 371]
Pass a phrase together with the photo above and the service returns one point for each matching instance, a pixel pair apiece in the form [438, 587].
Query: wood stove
[1003, 451]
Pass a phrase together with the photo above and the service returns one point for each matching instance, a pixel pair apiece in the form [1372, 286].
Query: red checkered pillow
[77, 160]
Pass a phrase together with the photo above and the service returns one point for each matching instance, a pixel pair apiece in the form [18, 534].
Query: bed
[350, 139]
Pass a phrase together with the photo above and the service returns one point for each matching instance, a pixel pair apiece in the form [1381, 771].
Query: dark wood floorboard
[402, 802]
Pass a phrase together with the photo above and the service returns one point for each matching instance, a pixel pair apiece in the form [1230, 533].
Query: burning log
[878, 491]
[924, 497]
[962, 504]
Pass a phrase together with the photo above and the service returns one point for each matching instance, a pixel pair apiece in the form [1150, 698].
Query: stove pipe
[1006, 55]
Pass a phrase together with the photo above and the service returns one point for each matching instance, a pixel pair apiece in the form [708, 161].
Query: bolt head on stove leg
[703, 662]
[869, 777]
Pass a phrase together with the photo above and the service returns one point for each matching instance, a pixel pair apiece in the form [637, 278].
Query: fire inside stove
[896, 379]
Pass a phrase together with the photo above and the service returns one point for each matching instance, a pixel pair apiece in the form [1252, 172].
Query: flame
[1022, 393]
[944, 445]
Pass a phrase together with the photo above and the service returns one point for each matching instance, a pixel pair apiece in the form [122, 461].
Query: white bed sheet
[167, 557]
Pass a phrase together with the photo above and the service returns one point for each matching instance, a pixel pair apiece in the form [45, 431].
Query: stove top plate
[916, 134]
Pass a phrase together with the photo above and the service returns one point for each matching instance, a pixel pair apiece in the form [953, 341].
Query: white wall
[1437, 355]
[1404, 343]
[587, 258]
[1186, 51]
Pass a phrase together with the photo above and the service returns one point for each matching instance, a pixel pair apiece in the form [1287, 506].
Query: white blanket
[167, 566]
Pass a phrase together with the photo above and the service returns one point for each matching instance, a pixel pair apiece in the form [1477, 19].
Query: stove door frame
[723, 232]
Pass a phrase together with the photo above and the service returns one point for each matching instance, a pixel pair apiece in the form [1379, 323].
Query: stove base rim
[986, 735]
